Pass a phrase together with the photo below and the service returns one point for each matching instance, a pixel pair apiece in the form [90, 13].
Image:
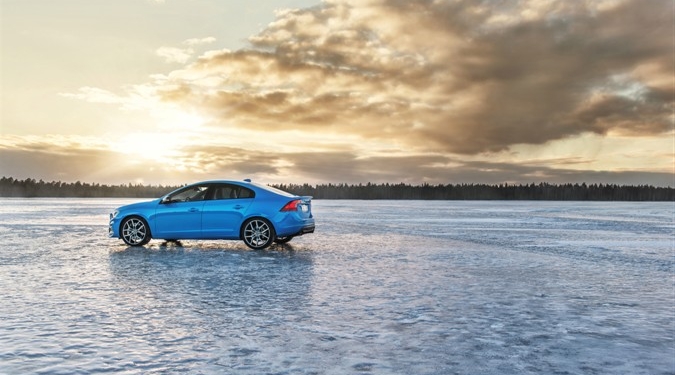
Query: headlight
[114, 214]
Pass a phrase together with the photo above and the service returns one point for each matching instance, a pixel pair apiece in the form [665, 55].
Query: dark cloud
[437, 169]
[229, 161]
[51, 162]
[349, 167]
[458, 76]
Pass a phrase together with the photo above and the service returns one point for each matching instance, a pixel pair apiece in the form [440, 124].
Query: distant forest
[28, 188]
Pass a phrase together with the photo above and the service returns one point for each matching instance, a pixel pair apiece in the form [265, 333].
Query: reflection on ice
[449, 287]
[228, 303]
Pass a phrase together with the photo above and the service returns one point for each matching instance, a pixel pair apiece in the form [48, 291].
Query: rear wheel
[135, 231]
[258, 233]
[283, 240]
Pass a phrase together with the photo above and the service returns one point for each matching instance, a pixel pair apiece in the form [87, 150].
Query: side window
[222, 192]
[190, 194]
[246, 193]
[231, 192]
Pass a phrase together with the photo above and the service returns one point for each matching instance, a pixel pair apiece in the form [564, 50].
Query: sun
[143, 147]
[168, 131]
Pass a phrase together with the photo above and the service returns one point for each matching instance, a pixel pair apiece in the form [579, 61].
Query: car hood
[139, 205]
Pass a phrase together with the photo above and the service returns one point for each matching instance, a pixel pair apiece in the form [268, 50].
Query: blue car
[227, 210]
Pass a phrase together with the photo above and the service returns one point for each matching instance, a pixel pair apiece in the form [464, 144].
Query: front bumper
[112, 233]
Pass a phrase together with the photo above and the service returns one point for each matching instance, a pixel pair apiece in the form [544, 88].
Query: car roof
[220, 182]
[247, 182]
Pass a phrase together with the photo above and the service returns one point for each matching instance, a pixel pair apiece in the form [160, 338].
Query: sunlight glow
[152, 147]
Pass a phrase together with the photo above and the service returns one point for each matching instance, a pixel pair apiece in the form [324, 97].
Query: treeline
[30, 188]
[10, 187]
[541, 191]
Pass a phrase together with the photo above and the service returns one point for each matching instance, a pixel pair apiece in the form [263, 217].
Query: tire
[135, 231]
[283, 240]
[257, 233]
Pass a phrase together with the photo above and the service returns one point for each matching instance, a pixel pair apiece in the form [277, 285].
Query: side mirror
[166, 200]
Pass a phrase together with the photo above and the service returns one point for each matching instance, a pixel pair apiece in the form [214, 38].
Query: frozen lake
[382, 287]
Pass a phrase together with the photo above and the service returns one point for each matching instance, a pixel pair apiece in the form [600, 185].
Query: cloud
[199, 41]
[95, 95]
[446, 91]
[183, 55]
[440, 169]
[175, 55]
[445, 76]
[53, 157]
[71, 158]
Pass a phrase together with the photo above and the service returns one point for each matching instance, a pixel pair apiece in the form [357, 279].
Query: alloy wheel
[135, 232]
[258, 234]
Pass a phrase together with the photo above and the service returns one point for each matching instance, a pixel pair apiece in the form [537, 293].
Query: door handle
[193, 209]
[238, 207]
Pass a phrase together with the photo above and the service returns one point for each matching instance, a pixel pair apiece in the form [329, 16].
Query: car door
[224, 212]
[179, 215]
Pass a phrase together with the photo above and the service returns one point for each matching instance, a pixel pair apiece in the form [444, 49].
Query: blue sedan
[228, 210]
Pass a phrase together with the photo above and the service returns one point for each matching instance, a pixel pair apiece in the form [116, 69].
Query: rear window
[273, 190]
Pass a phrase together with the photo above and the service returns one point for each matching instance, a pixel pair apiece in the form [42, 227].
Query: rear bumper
[306, 229]
[292, 225]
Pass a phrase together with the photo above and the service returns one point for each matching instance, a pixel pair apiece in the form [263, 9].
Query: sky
[332, 91]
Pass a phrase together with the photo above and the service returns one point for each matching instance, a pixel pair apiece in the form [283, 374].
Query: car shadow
[197, 245]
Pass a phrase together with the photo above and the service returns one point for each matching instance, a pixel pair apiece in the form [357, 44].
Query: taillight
[291, 206]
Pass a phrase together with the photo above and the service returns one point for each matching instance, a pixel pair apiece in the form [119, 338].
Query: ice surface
[382, 287]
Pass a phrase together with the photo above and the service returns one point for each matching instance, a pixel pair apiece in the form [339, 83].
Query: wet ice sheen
[382, 287]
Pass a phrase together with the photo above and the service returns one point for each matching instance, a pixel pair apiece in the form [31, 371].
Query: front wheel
[135, 231]
[283, 240]
[258, 233]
